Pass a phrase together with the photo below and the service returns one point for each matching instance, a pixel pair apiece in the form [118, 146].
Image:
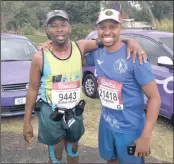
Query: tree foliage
[22, 14]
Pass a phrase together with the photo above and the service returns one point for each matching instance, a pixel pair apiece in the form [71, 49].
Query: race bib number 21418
[110, 93]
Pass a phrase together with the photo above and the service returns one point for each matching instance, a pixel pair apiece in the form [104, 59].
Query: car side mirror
[165, 61]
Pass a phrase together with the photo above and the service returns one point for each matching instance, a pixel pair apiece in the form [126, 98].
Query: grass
[37, 39]
[165, 25]
[91, 121]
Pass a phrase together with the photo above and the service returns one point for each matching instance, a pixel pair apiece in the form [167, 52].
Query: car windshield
[16, 49]
[168, 42]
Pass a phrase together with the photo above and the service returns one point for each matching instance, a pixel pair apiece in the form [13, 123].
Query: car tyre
[90, 86]
[172, 120]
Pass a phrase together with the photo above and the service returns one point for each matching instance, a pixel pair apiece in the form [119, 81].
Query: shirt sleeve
[143, 73]
[89, 58]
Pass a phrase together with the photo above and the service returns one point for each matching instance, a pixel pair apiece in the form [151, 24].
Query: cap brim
[107, 19]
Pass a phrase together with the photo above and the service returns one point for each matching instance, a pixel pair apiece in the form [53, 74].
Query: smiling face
[59, 30]
[109, 32]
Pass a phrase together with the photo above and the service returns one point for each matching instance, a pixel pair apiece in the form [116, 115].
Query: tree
[162, 9]
[79, 11]
[17, 14]
[156, 9]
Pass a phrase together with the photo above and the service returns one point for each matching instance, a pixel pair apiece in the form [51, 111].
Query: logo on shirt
[57, 78]
[120, 66]
[99, 62]
[65, 79]
[77, 77]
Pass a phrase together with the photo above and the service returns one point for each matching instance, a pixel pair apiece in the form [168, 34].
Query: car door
[163, 75]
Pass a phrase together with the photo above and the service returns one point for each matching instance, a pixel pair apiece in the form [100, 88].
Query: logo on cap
[109, 13]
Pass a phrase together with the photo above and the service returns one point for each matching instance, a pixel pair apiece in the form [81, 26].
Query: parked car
[159, 48]
[16, 54]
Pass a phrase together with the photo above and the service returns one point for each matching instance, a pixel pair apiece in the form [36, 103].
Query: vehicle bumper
[13, 103]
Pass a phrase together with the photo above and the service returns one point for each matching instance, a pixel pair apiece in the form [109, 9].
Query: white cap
[109, 14]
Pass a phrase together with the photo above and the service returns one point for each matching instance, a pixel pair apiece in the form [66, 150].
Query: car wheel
[172, 120]
[90, 86]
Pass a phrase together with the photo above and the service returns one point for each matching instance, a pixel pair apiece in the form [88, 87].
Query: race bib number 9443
[66, 94]
[110, 93]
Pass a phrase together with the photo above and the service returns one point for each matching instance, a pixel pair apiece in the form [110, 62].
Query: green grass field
[36, 39]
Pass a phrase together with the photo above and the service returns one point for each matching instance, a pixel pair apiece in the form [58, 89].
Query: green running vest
[61, 79]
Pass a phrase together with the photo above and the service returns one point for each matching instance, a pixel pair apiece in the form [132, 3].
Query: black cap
[56, 13]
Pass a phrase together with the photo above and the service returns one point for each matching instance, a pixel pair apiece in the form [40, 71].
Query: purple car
[159, 48]
[16, 54]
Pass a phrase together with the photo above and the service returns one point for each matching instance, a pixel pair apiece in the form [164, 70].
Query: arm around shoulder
[87, 46]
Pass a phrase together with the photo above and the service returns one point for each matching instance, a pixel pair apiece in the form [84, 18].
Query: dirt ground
[12, 140]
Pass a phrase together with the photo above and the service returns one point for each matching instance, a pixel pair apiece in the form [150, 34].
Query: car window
[16, 49]
[153, 50]
[168, 42]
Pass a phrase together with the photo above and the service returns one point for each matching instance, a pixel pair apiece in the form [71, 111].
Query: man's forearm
[30, 101]
[152, 115]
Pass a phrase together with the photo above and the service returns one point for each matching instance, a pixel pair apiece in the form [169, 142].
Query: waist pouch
[74, 126]
[72, 120]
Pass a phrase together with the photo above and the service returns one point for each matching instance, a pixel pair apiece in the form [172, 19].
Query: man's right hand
[28, 132]
[47, 45]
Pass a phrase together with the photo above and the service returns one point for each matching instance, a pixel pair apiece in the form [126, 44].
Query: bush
[80, 31]
[26, 30]
[165, 25]
[3, 28]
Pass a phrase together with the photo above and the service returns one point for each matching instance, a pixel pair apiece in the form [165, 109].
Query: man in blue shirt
[121, 86]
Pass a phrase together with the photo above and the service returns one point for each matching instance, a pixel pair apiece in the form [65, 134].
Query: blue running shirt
[120, 82]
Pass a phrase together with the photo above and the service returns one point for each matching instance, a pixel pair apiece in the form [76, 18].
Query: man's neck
[62, 51]
[115, 47]
[61, 48]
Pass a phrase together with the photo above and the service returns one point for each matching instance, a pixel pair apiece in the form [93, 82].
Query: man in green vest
[59, 74]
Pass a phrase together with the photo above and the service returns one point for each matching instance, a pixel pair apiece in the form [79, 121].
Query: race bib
[66, 94]
[110, 93]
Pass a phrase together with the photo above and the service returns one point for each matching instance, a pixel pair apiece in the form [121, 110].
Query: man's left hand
[134, 47]
[47, 45]
[142, 147]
